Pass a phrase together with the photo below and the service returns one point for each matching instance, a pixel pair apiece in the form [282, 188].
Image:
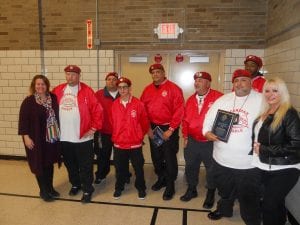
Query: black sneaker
[86, 197]
[74, 191]
[99, 180]
[142, 195]
[117, 194]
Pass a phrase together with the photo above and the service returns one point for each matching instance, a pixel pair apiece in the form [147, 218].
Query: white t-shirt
[70, 117]
[263, 166]
[235, 153]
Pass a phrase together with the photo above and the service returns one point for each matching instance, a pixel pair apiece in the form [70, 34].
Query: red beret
[72, 68]
[255, 59]
[114, 74]
[240, 73]
[124, 80]
[156, 66]
[203, 75]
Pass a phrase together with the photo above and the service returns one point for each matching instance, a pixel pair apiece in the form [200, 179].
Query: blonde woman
[277, 149]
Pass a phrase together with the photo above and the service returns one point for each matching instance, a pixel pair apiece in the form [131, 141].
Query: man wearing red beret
[102, 142]
[197, 148]
[164, 104]
[253, 64]
[129, 125]
[80, 116]
[234, 174]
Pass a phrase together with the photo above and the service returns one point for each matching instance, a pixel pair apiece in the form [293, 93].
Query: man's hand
[167, 134]
[150, 133]
[90, 132]
[211, 136]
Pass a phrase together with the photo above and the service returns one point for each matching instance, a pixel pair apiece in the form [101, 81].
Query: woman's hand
[211, 136]
[256, 147]
[28, 142]
[167, 134]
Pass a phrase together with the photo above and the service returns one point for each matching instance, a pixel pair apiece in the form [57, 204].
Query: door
[180, 73]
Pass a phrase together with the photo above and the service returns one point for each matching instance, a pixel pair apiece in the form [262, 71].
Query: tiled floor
[20, 204]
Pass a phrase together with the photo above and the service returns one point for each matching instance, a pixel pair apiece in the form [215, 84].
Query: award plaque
[223, 124]
[158, 136]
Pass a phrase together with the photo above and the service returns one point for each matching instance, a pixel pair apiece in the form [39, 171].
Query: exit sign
[168, 30]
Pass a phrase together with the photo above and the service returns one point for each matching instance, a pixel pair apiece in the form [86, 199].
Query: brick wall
[234, 59]
[283, 60]
[283, 21]
[16, 71]
[126, 24]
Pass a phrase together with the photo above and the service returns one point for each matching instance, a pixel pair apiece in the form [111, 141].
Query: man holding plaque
[197, 148]
[234, 176]
[164, 104]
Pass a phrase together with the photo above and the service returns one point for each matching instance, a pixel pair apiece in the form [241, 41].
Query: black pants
[277, 184]
[45, 180]
[164, 157]
[78, 159]
[195, 153]
[103, 155]
[245, 184]
[121, 162]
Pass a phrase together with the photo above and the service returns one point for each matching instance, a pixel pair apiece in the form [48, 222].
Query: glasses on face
[123, 87]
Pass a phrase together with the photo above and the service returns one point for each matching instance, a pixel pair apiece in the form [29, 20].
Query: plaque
[158, 136]
[223, 123]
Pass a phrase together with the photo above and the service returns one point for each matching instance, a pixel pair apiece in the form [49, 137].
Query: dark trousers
[121, 162]
[277, 184]
[45, 180]
[195, 153]
[245, 184]
[78, 159]
[103, 153]
[164, 157]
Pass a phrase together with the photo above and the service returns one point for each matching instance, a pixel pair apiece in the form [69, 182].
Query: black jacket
[281, 147]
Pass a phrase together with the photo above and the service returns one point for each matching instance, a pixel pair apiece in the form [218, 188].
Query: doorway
[135, 66]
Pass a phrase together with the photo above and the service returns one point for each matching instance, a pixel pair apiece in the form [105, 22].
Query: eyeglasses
[123, 87]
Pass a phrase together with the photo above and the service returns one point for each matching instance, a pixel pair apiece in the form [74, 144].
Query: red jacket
[90, 109]
[130, 123]
[192, 122]
[106, 101]
[258, 83]
[164, 104]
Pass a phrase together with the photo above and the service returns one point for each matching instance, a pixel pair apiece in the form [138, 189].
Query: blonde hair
[285, 103]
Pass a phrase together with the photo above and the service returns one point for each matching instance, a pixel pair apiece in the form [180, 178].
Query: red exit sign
[168, 30]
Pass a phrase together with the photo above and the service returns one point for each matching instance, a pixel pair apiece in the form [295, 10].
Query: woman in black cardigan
[38, 125]
[277, 150]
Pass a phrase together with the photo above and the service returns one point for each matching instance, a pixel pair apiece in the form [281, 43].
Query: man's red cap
[203, 75]
[124, 80]
[72, 68]
[114, 74]
[254, 59]
[156, 66]
[240, 73]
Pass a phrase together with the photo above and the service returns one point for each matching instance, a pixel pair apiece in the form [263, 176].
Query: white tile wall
[283, 60]
[234, 59]
[16, 71]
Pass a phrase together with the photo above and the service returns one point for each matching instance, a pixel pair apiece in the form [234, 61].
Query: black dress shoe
[168, 194]
[189, 194]
[159, 184]
[74, 191]
[46, 197]
[216, 215]
[54, 193]
[86, 197]
[210, 199]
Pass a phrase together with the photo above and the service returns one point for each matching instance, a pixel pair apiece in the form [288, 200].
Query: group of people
[258, 164]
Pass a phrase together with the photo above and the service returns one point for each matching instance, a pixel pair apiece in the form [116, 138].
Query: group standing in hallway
[86, 123]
